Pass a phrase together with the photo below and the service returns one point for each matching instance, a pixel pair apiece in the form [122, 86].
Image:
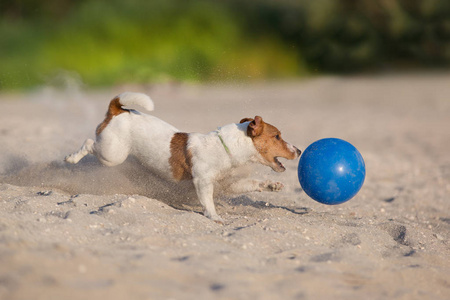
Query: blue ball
[331, 171]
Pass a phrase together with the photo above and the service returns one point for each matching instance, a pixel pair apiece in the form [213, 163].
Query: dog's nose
[298, 151]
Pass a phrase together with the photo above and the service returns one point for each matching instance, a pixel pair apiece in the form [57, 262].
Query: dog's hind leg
[87, 148]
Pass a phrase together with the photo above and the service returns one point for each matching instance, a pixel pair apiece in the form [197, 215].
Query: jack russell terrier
[202, 158]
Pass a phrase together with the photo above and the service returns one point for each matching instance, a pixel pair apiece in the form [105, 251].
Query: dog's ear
[255, 127]
[246, 120]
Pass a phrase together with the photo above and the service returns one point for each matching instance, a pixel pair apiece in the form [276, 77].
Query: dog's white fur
[211, 155]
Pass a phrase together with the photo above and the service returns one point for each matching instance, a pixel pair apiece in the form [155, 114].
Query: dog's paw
[71, 159]
[214, 217]
[217, 219]
[271, 186]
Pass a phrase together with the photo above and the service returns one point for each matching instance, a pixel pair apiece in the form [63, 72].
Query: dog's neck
[238, 145]
[223, 143]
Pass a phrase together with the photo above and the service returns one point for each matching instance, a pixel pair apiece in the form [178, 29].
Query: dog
[176, 155]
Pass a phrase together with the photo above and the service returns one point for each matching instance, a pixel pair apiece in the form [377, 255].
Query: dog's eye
[278, 137]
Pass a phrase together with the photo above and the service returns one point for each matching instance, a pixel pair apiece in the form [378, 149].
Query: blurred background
[109, 42]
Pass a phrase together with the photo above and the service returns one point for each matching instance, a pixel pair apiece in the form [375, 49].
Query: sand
[93, 232]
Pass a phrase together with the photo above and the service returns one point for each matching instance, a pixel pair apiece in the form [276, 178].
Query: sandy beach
[87, 231]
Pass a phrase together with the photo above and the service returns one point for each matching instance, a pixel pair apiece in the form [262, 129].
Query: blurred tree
[113, 41]
[355, 35]
[32, 9]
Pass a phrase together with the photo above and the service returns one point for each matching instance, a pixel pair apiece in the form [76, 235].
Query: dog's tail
[124, 99]
[130, 98]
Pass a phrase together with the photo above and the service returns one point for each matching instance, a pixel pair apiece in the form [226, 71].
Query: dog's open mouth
[280, 166]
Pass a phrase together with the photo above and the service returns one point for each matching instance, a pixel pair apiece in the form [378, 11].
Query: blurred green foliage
[357, 35]
[114, 41]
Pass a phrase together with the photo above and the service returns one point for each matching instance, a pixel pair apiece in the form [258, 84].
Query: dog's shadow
[91, 177]
[245, 200]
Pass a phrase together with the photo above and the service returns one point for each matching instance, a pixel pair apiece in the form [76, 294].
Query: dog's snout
[294, 151]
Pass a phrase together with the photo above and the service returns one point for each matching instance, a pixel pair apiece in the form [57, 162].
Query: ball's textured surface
[331, 171]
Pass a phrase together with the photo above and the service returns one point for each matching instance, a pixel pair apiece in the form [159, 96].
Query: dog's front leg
[205, 190]
[252, 185]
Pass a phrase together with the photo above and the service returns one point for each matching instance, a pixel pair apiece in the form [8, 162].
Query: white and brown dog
[203, 158]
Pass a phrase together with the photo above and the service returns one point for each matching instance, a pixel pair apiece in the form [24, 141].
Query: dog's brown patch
[115, 108]
[246, 120]
[181, 158]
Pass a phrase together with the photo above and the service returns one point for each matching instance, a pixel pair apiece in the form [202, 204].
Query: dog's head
[268, 142]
